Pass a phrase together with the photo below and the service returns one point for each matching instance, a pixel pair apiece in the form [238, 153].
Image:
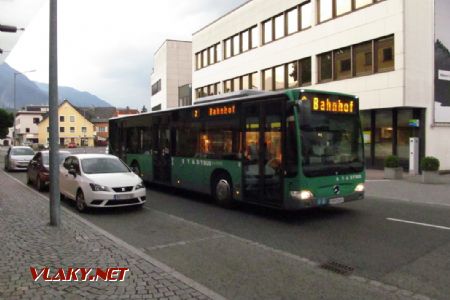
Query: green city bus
[290, 149]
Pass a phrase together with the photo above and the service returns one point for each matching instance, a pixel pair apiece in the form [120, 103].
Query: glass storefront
[387, 132]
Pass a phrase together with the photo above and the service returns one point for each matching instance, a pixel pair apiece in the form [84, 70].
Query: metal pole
[53, 118]
[15, 113]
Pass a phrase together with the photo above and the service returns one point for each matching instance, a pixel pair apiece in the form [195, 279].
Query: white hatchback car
[100, 180]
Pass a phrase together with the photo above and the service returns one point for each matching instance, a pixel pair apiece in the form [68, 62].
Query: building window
[245, 40]
[83, 129]
[227, 86]
[227, 43]
[36, 120]
[72, 118]
[254, 37]
[305, 15]
[236, 46]
[325, 10]
[268, 79]
[255, 81]
[246, 82]
[292, 20]
[205, 58]
[61, 129]
[362, 3]
[343, 7]
[385, 54]
[212, 56]
[279, 77]
[198, 61]
[267, 31]
[156, 87]
[363, 59]
[305, 71]
[61, 118]
[325, 67]
[218, 50]
[236, 84]
[27, 130]
[279, 26]
[72, 129]
[292, 75]
[342, 63]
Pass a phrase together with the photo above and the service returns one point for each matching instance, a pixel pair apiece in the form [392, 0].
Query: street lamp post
[14, 96]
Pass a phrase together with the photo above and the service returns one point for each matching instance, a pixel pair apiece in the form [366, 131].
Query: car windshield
[22, 151]
[62, 157]
[103, 165]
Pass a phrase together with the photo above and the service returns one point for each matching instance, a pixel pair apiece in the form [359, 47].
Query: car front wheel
[80, 202]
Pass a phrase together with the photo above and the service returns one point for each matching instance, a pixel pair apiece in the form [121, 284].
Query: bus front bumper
[295, 203]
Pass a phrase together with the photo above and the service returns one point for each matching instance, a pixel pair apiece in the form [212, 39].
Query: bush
[392, 161]
[430, 163]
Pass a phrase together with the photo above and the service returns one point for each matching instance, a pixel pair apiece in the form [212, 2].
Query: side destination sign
[333, 106]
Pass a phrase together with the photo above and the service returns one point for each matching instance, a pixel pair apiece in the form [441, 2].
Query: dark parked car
[38, 168]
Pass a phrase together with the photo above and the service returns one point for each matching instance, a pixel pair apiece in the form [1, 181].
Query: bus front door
[263, 176]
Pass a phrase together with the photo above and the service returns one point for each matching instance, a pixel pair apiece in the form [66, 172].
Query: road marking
[418, 223]
[187, 242]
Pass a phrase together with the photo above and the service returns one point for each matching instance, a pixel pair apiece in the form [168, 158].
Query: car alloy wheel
[81, 204]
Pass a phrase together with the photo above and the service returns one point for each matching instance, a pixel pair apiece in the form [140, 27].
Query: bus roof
[236, 96]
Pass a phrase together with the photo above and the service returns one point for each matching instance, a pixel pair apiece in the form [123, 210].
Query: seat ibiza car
[38, 168]
[18, 158]
[100, 180]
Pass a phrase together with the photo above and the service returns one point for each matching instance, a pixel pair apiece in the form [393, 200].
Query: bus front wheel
[222, 190]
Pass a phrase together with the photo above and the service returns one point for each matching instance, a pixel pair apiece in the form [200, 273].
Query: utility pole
[55, 208]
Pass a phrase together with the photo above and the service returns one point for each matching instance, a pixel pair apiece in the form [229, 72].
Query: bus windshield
[331, 143]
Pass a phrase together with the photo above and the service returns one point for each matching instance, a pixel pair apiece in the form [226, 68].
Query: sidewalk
[26, 240]
[410, 188]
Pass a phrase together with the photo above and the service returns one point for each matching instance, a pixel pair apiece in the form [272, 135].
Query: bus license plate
[123, 197]
[337, 200]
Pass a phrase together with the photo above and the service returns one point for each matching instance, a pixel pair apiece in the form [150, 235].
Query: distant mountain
[76, 97]
[26, 91]
[31, 93]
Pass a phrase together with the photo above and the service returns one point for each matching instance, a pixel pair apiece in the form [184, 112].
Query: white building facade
[380, 50]
[26, 131]
[172, 69]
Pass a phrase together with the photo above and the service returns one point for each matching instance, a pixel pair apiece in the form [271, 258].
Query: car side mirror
[73, 172]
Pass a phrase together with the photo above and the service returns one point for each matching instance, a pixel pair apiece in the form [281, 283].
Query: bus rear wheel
[222, 190]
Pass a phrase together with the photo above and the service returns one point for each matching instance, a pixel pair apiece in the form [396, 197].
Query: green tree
[6, 121]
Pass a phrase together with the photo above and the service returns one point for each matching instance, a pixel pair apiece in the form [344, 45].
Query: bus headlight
[359, 187]
[302, 195]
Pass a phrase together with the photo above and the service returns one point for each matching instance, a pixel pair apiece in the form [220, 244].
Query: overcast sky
[106, 47]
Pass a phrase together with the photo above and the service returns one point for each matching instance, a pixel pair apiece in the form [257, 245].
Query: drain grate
[337, 268]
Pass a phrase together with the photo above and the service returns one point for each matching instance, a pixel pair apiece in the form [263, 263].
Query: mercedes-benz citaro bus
[291, 149]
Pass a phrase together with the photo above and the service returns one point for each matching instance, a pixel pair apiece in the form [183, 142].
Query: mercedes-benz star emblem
[336, 190]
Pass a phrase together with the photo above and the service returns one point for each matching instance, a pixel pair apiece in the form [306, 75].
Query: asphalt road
[258, 253]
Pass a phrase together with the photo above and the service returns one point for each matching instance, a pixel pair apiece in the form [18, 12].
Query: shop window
[325, 10]
[267, 29]
[363, 59]
[383, 136]
[305, 15]
[292, 20]
[385, 54]
[366, 121]
[342, 63]
[343, 7]
[267, 80]
[407, 127]
[325, 67]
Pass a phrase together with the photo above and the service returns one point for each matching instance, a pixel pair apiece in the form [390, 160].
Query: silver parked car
[18, 158]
